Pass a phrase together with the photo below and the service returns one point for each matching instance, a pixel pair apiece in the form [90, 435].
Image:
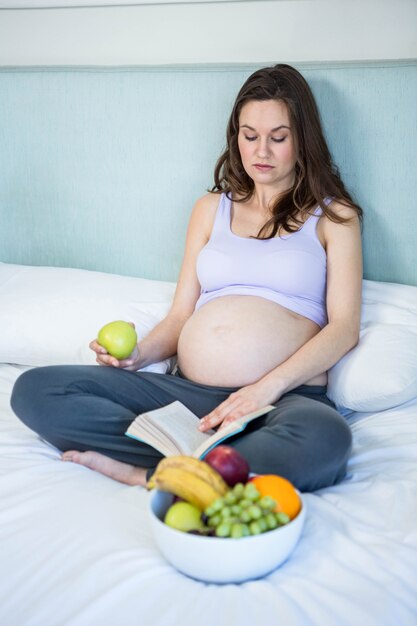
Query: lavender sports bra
[289, 270]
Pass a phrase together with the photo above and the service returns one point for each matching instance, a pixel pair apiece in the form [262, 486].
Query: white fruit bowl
[218, 560]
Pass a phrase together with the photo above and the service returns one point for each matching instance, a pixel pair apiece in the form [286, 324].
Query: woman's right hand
[132, 363]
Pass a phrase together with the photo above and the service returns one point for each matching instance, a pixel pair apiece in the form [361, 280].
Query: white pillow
[48, 315]
[381, 371]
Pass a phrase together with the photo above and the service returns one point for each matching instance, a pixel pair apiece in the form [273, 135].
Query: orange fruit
[281, 490]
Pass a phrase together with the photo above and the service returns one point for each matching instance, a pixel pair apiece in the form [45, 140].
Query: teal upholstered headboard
[100, 167]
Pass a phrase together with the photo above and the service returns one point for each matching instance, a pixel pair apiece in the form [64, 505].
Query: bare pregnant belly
[235, 340]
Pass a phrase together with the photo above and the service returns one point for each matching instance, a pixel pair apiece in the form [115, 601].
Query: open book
[173, 430]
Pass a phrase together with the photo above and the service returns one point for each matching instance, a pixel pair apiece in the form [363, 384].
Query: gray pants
[90, 407]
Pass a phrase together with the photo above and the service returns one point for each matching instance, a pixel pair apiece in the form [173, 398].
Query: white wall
[252, 32]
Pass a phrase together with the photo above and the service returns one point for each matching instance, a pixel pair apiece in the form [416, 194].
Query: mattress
[76, 547]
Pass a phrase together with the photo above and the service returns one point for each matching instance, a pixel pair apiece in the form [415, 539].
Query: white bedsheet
[76, 547]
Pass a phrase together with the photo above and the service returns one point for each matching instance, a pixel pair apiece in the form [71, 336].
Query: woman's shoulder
[208, 202]
[206, 206]
[332, 226]
[204, 213]
[342, 209]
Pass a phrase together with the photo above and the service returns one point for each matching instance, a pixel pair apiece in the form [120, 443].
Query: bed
[91, 231]
[76, 547]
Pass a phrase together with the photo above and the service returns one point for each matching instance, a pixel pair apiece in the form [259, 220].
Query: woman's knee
[35, 393]
[25, 390]
[336, 436]
[308, 443]
[313, 424]
[27, 393]
[325, 444]
[345, 436]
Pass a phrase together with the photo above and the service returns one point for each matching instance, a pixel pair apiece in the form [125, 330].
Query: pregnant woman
[267, 300]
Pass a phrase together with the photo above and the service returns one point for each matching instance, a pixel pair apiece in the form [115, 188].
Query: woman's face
[266, 144]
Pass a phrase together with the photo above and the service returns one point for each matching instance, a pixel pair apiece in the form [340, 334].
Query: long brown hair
[316, 176]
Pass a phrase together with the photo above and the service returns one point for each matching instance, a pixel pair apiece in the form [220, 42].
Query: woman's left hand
[239, 403]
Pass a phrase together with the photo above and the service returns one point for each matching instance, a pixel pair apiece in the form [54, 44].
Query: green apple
[183, 516]
[119, 338]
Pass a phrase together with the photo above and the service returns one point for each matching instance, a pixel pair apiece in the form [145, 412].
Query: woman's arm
[321, 352]
[161, 343]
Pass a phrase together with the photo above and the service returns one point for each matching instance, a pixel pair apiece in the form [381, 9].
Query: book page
[228, 431]
[174, 422]
[172, 430]
[142, 430]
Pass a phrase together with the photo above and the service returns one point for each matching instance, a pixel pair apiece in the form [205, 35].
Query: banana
[186, 486]
[188, 480]
[199, 468]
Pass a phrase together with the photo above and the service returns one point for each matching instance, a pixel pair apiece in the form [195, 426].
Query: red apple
[230, 464]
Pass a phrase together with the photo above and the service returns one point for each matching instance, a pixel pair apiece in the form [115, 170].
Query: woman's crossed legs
[85, 411]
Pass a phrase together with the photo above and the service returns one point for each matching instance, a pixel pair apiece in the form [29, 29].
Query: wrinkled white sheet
[76, 548]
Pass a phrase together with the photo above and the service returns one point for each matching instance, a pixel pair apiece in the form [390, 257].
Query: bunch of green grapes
[242, 512]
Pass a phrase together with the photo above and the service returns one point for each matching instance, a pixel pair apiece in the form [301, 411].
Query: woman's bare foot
[123, 472]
